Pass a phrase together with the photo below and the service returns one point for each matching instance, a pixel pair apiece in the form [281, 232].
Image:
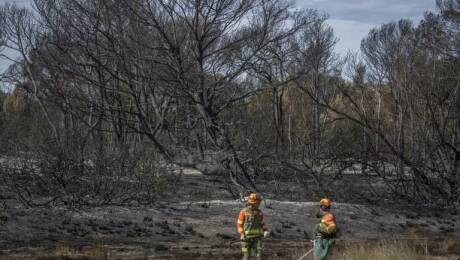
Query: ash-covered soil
[208, 227]
[192, 227]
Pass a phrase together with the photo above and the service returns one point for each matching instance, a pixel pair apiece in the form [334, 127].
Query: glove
[242, 237]
[266, 234]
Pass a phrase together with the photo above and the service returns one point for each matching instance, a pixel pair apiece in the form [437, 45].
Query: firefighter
[325, 231]
[252, 228]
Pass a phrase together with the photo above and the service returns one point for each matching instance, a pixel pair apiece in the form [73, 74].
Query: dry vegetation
[344, 250]
[392, 250]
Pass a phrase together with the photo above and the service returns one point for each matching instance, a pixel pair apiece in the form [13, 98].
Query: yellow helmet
[254, 199]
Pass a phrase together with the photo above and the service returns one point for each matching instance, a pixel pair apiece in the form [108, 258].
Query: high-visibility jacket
[327, 228]
[251, 223]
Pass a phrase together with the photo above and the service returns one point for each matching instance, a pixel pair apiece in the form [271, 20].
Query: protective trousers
[321, 249]
[252, 246]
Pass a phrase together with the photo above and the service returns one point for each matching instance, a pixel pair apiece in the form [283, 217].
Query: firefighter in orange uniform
[252, 228]
[325, 231]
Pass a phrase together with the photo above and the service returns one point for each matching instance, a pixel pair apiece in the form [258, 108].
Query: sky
[350, 19]
[353, 19]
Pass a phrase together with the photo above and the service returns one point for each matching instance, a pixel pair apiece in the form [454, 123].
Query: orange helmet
[254, 199]
[325, 202]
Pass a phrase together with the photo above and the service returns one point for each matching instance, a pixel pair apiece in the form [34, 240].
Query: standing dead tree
[415, 151]
[163, 72]
[316, 71]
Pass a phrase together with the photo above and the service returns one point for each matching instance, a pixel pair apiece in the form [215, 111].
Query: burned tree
[161, 74]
